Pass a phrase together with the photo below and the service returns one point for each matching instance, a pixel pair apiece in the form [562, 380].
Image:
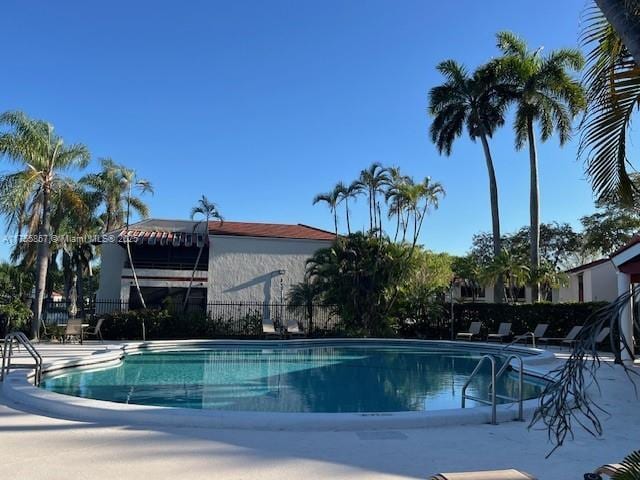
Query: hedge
[561, 317]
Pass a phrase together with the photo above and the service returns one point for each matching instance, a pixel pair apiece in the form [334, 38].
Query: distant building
[238, 262]
[591, 282]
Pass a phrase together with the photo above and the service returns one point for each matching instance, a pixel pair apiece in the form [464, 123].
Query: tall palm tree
[476, 102]
[345, 193]
[113, 192]
[35, 146]
[395, 199]
[130, 181]
[331, 199]
[208, 210]
[612, 80]
[546, 94]
[372, 181]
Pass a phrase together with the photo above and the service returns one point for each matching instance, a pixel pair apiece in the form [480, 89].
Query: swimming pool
[317, 377]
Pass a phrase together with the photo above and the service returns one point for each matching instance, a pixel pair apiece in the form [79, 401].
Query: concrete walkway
[35, 446]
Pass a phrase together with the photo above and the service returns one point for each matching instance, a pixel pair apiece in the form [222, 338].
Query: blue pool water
[286, 379]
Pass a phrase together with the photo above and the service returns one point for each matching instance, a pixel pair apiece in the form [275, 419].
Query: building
[591, 282]
[236, 261]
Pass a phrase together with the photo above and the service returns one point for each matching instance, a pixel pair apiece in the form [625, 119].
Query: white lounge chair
[537, 333]
[604, 333]
[293, 329]
[268, 329]
[569, 339]
[474, 331]
[510, 474]
[504, 331]
[609, 470]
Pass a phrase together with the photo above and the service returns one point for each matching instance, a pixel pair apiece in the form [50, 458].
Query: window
[168, 257]
[467, 291]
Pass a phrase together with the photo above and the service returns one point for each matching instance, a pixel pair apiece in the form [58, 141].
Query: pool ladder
[20, 339]
[493, 396]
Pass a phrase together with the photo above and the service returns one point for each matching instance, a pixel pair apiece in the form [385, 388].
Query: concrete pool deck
[35, 446]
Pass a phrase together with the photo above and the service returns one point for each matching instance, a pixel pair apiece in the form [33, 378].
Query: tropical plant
[512, 268]
[629, 467]
[304, 296]
[624, 16]
[43, 155]
[418, 198]
[114, 193]
[361, 274]
[372, 182]
[544, 93]
[208, 210]
[397, 201]
[476, 102]
[467, 271]
[344, 194]
[331, 199]
[612, 80]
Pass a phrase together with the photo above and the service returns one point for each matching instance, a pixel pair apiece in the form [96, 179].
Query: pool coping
[18, 387]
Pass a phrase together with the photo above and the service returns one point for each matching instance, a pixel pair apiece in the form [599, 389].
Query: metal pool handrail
[492, 390]
[7, 353]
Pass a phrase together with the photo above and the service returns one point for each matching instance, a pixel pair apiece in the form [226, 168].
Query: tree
[43, 154]
[345, 193]
[372, 182]
[612, 80]
[477, 102]
[610, 228]
[331, 199]
[546, 94]
[208, 210]
[467, 271]
[418, 199]
[304, 296]
[108, 184]
[509, 266]
[396, 199]
[129, 180]
[361, 274]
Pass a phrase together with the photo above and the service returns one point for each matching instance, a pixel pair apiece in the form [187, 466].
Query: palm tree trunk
[534, 208]
[623, 21]
[335, 219]
[498, 288]
[379, 220]
[42, 262]
[346, 204]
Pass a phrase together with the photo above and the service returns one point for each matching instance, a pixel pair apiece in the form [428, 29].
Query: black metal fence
[229, 318]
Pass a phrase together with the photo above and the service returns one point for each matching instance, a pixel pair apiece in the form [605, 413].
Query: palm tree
[511, 268]
[395, 199]
[624, 17]
[208, 210]
[331, 199]
[304, 296]
[346, 192]
[372, 180]
[114, 194]
[43, 154]
[477, 102]
[612, 80]
[544, 92]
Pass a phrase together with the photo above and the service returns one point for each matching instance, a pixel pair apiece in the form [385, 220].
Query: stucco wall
[113, 257]
[245, 268]
[600, 284]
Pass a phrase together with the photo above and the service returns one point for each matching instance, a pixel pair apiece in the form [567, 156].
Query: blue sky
[261, 104]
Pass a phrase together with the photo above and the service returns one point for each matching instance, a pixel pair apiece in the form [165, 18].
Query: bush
[561, 317]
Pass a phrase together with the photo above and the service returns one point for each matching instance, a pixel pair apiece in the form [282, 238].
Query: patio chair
[95, 332]
[73, 330]
[504, 331]
[537, 333]
[509, 474]
[474, 331]
[268, 329]
[570, 338]
[293, 329]
[602, 336]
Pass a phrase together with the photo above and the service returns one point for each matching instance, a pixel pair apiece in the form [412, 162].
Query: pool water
[285, 379]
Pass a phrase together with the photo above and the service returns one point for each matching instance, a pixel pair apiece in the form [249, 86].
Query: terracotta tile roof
[270, 230]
